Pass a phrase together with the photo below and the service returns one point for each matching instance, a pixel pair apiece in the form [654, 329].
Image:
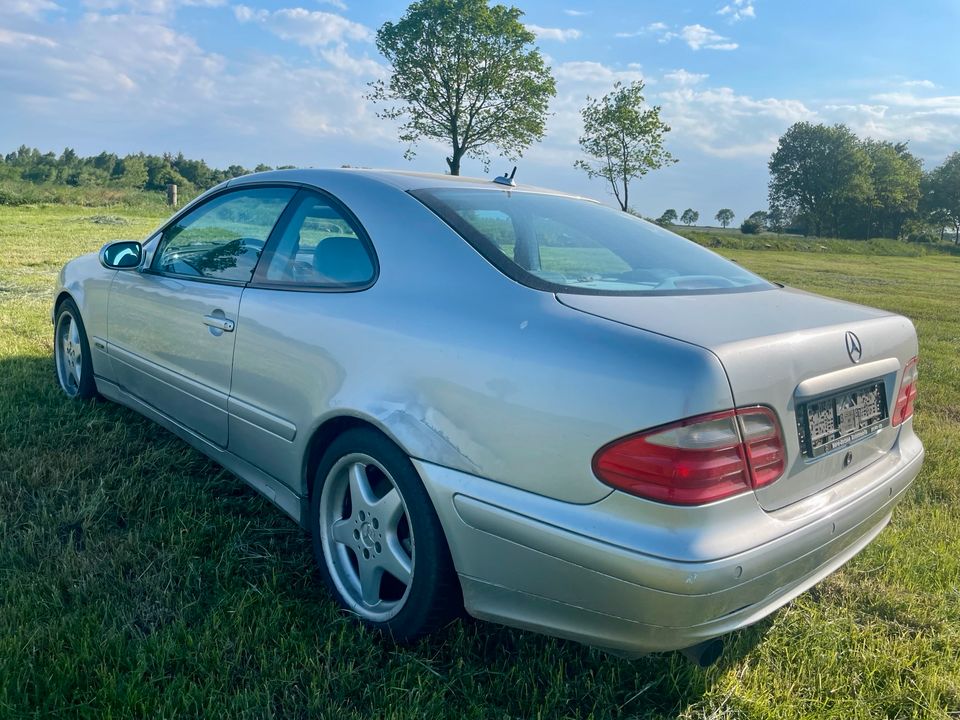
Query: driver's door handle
[219, 323]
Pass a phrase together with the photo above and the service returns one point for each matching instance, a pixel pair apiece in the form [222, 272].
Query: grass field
[137, 579]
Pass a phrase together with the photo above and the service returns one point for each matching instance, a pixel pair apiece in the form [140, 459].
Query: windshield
[565, 244]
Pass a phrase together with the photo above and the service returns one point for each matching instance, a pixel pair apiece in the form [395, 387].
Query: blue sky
[283, 82]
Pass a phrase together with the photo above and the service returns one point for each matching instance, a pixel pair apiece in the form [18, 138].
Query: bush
[751, 227]
[922, 236]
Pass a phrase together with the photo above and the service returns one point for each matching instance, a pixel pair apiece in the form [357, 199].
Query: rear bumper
[574, 571]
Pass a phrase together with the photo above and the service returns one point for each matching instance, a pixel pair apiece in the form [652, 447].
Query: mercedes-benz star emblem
[854, 348]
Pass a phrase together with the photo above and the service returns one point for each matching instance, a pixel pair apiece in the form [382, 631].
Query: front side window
[319, 247]
[222, 239]
[565, 244]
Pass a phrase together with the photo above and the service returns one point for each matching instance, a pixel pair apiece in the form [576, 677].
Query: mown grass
[138, 579]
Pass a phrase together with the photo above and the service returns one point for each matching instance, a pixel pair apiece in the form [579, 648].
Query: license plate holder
[831, 422]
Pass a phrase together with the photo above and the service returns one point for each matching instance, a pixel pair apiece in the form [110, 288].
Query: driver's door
[171, 325]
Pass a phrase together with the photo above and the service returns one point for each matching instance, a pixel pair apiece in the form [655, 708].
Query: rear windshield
[565, 244]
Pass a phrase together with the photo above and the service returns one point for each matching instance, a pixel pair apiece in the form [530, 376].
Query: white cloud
[927, 84]
[738, 10]
[148, 7]
[577, 13]
[930, 124]
[133, 75]
[30, 8]
[338, 4]
[310, 28]
[19, 39]
[655, 28]
[695, 36]
[558, 34]
[723, 123]
[699, 36]
[684, 77]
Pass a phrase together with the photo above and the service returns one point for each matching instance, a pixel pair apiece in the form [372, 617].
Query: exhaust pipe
[704, 654]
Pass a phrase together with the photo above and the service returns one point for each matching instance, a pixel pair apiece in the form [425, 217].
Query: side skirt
[275, 491]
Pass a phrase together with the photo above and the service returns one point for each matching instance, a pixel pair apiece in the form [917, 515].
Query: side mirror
[122, 255]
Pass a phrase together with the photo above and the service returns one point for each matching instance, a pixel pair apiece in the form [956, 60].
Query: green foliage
[467, 74]
[101, 177]
[689, 217]
[751, 226]
[895, 176]
[817, 172]
[724, 216]
[942, 194]
[831, 182]
[622, 140]
[669, 217]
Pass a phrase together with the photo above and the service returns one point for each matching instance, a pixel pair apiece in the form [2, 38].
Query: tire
[377, 539]
[71, 353]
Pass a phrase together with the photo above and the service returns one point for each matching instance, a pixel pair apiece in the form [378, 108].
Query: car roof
[401, 179]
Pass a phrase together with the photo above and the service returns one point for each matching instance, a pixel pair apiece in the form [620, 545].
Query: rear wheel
[71, 353]
[377, 539]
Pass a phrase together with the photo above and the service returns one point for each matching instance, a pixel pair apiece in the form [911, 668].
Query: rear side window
[564, 244]
[319, 247]
[222, 239]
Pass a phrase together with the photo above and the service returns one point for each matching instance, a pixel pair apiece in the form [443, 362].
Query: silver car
[514, 401]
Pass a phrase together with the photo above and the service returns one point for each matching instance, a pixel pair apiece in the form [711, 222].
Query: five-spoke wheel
[368, 543]
[377, 538]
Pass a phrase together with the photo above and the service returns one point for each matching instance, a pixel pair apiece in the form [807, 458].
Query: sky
[283, 82]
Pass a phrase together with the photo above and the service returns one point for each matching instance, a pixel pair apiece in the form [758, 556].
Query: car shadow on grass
[160, 565]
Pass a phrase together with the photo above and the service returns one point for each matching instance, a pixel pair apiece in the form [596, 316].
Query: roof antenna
[506, 179]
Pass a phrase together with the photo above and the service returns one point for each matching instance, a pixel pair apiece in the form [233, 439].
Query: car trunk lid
[783, 348]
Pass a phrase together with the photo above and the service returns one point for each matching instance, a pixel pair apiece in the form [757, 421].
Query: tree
[133, 171]
[464, 73]
[622, 140]
[669, 217]
[724, 216]
[895, 177]
[689, 217]
[817, 172]
[777, 219]
[942, 196]
[759, 217]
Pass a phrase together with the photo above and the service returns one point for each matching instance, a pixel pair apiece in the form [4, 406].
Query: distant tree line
[139, 171]
[826, 181]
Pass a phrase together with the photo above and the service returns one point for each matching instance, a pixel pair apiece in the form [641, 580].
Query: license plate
[834, 421]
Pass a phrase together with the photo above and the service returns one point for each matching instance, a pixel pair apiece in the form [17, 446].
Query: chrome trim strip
[261, 419]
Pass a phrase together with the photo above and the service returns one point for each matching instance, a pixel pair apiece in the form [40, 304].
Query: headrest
[342, 259]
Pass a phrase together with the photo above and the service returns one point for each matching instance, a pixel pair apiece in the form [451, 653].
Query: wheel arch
[63, 295]
[328, 431]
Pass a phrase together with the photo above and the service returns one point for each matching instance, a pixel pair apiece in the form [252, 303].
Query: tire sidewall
[87, 387]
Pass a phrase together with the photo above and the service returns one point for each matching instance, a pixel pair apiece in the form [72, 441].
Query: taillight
[697, 460]
[907, 394]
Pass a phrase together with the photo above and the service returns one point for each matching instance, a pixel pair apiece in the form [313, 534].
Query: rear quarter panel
[460, 365]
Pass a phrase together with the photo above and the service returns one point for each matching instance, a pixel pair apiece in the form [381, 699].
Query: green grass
[138, 579]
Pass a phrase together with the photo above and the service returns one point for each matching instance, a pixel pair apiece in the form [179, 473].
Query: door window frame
[149, 268]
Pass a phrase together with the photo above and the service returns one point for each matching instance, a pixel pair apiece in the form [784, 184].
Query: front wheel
[71, 353]
[377, 540]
